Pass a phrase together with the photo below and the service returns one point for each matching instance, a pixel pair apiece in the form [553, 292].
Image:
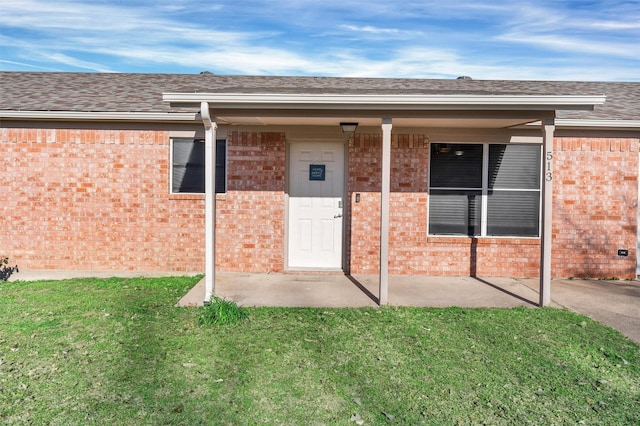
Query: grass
[221, 311]
[116, 351]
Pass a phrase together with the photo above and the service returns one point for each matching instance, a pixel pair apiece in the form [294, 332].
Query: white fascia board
[99, 116]
[385, 102]
[574, 123]
[605, 124]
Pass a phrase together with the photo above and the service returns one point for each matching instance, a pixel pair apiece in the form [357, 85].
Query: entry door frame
[346, 208]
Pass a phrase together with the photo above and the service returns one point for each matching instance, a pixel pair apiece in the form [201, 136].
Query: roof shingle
[103, 92]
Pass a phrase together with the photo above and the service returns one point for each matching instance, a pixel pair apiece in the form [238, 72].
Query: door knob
[337, 216]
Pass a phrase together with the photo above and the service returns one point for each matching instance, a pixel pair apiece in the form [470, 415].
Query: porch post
[384, 210]
[210, 127]
[548, 128]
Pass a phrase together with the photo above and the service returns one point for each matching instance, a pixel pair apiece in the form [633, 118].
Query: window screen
[513, 213]
[454, 212]
[456, 189]
[456, 166]
[513, 202]
[498, 182]
[514, 166]
[188, 166]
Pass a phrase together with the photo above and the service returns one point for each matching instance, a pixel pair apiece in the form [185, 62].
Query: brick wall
[595, 211]
[408, 217]
[95, 199]
[99, 199]
[595, 207]
[250, 220]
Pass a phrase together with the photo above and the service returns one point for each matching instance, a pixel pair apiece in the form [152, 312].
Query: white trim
[484, 201]
[100, 116]
[576, 123]
[385, 102]
[210, 127]
[385, 194]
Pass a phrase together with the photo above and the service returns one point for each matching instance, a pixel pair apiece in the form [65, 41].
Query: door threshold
[314, 271]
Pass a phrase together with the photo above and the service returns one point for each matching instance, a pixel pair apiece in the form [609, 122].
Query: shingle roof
[103, 92]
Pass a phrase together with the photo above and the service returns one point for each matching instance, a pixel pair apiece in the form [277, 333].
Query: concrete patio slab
[339, 290]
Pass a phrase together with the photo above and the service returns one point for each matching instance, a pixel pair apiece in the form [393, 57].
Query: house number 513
[548, 176]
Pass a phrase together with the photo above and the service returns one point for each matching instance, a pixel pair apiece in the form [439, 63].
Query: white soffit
[371, 121]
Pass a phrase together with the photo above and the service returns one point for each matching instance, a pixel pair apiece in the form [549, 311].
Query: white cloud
[75, 62]
[25, 65]
[371, 29]
[574, 45]
[410, 38]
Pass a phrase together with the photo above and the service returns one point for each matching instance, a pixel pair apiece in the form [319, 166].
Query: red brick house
[434, 177]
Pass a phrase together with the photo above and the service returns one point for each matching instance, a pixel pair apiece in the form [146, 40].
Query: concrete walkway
[341, 291]
[613, 303]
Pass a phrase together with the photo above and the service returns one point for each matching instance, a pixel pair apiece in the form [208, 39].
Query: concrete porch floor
[340, 291]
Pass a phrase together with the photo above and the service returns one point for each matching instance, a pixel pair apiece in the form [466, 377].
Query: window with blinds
[187, 166]
[484, 190]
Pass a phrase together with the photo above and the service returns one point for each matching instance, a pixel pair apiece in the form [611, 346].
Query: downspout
[210, 127]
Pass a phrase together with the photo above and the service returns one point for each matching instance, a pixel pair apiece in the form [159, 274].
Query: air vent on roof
[464, 77]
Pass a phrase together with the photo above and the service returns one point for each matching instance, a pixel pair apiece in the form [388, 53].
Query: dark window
[454, 212]
[188, 166]
[513, 201]
[456, 166]
[469, 182]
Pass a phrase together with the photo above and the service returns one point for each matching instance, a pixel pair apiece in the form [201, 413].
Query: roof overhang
[384, 102]
[412, 110]
[100, 116]
[599, 124]
[328, 109]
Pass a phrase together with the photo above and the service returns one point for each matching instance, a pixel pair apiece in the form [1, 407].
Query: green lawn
[117, 351]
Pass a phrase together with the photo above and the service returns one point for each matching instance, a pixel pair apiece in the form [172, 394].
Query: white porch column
[210, 127]
[548, 128]
[384, 210]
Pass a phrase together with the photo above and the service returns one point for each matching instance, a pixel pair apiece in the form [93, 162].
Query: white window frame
[484, 201]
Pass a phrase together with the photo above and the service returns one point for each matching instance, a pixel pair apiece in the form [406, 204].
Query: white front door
[316, 191]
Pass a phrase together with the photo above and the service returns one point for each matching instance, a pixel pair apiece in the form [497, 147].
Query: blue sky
[485, 39]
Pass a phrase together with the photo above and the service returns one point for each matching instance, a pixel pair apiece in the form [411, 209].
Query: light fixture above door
[349, 127]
